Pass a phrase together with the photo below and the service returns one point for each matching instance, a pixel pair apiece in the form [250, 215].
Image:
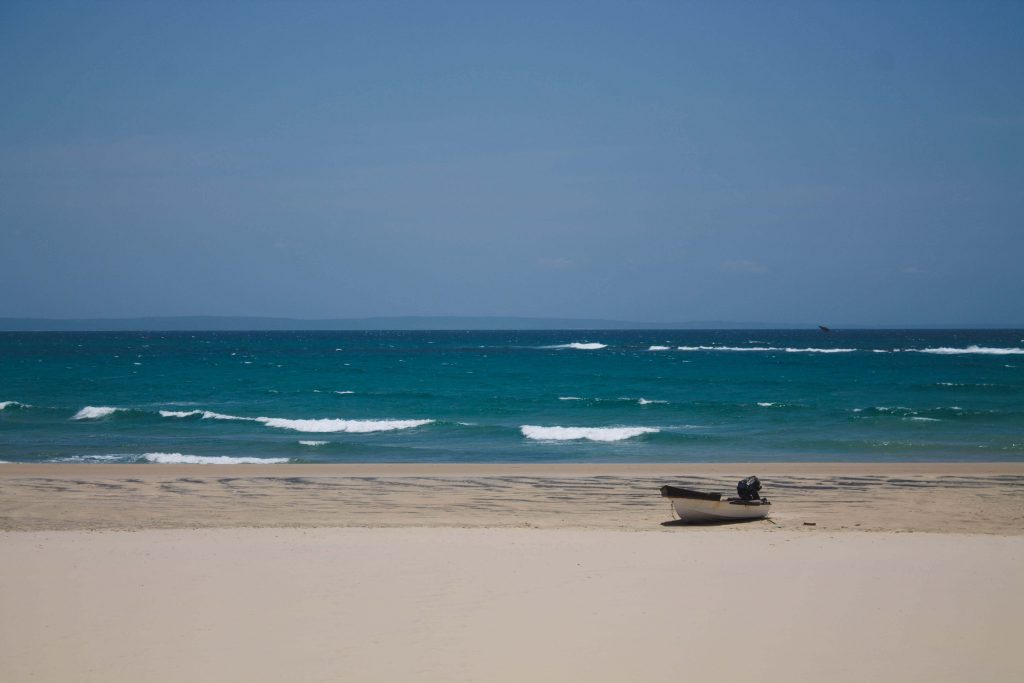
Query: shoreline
[890, 468]
[965, 498]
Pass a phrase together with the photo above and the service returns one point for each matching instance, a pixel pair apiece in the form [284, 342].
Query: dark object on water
[823, 328]
[747, 488]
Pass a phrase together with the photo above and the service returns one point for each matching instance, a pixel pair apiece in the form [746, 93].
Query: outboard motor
[747, 488]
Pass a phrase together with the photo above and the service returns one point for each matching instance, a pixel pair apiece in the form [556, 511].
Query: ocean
[500, 396]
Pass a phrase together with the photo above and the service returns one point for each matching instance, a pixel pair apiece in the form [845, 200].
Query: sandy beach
[880, 572]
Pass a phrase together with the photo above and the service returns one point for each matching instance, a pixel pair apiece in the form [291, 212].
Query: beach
[883, 572]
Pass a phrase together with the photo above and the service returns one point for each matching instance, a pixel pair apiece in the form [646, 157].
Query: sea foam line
[787, 349]
[206, 415]
[582, 346]
[308, 425]
[539, 433]
[179, 458]
[349, 426]
[973, 348]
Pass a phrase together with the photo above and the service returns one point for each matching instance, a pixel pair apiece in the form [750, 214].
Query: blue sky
[846, 162]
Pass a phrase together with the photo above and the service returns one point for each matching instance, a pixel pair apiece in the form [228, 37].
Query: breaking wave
[987, 350]
[582, 346]
[13, 404]
[93, 458]
[95, 412]
[659, 348]
[314, 443]
[589, 433]
[788, 349]
[178, 458]
[205, 414]
[350, 426]
[308, 425]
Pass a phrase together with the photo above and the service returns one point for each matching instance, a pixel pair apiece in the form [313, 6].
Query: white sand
[436, 604]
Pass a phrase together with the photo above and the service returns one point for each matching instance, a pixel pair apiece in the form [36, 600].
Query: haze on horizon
[642, 161]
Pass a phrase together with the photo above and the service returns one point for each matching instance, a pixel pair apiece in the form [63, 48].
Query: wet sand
[959, 498]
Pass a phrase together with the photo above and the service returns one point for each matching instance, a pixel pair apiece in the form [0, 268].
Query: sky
[798, 162]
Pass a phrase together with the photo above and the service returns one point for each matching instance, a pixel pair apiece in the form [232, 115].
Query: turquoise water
[551, 396]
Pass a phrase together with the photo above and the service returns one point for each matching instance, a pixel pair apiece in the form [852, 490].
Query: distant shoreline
[419, 324]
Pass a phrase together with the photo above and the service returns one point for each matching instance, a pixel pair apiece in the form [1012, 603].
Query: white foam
[659, 348]
[766, 404]
[94, 412]
[92, 458]
[728, 348]
[569, 398]
[4, 404]
[206, 415]
[311, 426]
[590, 433]
[583, 346]
[180, 413]
[178, 458]
[350, 426]
[987, 350]
[762, 349]
[344, 392]
[649, 401]
[925, 419]
[314, 443]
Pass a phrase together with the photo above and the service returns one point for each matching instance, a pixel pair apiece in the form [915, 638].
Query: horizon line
[446, 322]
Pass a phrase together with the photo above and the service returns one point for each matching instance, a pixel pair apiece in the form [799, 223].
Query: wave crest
[582, 346]
[95, 412]
[787, 349]
[350, 426]
[973, 348]
[539, 433]
[205, 414]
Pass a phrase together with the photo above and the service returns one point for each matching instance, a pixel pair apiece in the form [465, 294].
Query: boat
[699, 506]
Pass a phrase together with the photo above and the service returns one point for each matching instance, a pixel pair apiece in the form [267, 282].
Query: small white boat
[698, 506]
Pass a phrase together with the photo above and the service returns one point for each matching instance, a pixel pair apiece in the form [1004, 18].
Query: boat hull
[696, 510]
